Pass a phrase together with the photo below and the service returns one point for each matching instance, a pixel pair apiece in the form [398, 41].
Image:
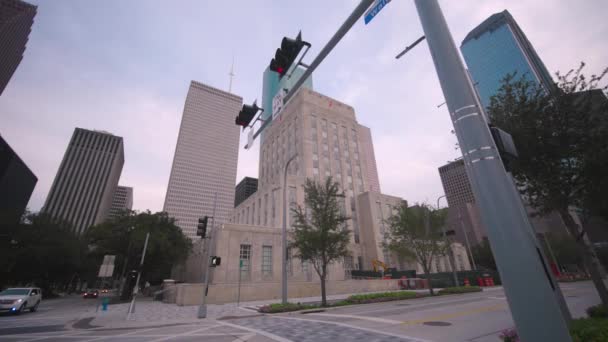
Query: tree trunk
[323, 294]
[588, 259]
[428, 277]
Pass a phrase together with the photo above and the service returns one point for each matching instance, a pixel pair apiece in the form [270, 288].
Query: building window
[253, 213]
[289, 262]
[266, 260]
[259, 210]
[265, 209]
[274, 205]
[292, 204]
[360, 262]
[247, 218]
[245, 261]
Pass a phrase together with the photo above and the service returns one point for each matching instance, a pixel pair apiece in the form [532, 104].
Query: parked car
[15, 300]
[91, 294]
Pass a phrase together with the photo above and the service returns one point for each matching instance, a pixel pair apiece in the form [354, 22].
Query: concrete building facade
[205, 158]
[246, 187]
[17, 183]
[121, 201]
[16, 19]
[84, 185]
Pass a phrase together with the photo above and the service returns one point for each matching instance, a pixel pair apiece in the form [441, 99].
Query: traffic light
[201, 228]
[247, 114]
[286, 55]
[215, 261]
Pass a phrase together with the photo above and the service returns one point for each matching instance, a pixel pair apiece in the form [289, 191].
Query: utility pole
[532, 301]
[466, 240]
[284, 234]
[141, 264]
[202, 309]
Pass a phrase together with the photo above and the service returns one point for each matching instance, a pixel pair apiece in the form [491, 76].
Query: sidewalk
[153, 313]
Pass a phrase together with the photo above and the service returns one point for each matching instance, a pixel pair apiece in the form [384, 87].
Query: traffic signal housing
[201, 228]
[215, 261]
[247, 114]
[287, 54]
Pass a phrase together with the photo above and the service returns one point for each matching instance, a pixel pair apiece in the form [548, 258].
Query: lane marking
[259, 332]
[423, 304]
[166, 338]
[412, 339]
[457, 314]
[373, 319]
[118, 335]
[244, 337]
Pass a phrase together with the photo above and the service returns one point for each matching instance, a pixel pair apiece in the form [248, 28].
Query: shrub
[459, 289]
[589, 330]
[509, 335]
[381, 297]
[598, 311]
[278, 307]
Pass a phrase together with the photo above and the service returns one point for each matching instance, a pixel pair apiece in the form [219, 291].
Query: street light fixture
[284, 233]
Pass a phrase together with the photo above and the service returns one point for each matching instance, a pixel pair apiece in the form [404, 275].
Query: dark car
[91, 294]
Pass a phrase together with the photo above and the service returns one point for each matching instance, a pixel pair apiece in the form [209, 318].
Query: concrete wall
[191, 294]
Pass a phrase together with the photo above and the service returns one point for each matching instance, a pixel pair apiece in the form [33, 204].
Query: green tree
[561, 138]
[125, 236]
[320, 235]
[41, 251]
[482, 253]
[415, 233]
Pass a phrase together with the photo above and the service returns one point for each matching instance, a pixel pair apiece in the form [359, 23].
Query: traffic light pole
[136, 290]
[348, 23]
[202, 309]
[533, 305]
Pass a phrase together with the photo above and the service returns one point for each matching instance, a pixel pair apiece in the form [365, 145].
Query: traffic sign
[375, 8]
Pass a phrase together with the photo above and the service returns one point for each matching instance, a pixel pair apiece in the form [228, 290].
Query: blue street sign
[374, 9]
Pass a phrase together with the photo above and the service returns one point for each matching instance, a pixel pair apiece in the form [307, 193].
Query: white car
[15, 300]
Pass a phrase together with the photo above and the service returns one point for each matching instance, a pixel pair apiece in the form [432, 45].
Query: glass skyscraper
[272, 84]
[498, 47]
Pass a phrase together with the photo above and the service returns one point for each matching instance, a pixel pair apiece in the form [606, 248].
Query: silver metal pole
[238, 293]
[136, 290]
[451, 258]
[534, 308]
[202, 309]
[284, 234]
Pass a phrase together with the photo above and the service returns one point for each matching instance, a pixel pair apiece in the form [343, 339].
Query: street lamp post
[284, 233]
[451, 257]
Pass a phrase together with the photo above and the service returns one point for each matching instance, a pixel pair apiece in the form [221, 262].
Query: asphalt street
[477, 317]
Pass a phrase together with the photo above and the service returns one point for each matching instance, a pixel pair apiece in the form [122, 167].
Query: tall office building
[121, 200]
[205, 158]
[16, 19]
[17, 182]
[370, 171]
[498, 47]
[246, 187]
[84, 185]
[463, 213]
[271, 86]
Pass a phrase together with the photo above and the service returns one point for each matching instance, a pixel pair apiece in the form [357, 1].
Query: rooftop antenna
[231, 74]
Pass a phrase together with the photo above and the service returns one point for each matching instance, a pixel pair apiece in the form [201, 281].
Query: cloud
[125, 67]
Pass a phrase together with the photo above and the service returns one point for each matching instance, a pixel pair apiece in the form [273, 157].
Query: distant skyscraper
[498, 47]
[205, 158]
[16, 19]
[84, 185]
[463, 213]
[17, 182]
[246, 187]
[121, 201]
[370, 171]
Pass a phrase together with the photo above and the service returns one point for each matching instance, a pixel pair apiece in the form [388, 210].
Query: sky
[124, 66]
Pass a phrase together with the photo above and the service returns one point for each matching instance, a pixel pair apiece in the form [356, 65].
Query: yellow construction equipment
[377, 263]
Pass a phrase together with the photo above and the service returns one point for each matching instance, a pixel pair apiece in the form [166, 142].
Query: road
[476, 317]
